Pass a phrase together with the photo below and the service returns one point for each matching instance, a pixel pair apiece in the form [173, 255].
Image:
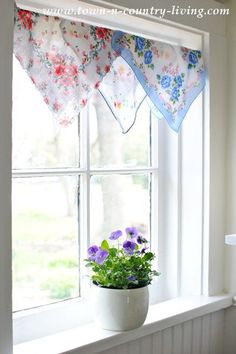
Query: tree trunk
[110, 154]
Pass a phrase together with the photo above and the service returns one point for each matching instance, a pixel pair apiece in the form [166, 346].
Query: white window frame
[213, 151]
[86, 171]
[27, 318]
[167, 158]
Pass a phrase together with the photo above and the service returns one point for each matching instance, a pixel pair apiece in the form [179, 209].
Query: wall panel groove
[202, 335]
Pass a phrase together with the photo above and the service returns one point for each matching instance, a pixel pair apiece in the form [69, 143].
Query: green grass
[42, 227]
[44, 258]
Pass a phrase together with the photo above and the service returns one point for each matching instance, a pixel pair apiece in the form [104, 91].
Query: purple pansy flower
[131, 278]
[129, 246]
[115, 235]
[141, 239]
[100, 256]
[142, 251]
[131, 232]
[148, 57]
[92, 250]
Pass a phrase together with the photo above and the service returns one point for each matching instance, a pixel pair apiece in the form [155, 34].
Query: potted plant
[121, 271]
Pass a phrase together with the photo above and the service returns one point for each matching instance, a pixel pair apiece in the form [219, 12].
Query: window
[71, 187]
[89, 179]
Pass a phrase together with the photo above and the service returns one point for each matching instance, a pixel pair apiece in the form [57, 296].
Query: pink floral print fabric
[68, 60]
[65, 60]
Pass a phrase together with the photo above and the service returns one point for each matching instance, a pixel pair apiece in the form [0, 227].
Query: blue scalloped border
[127, 56]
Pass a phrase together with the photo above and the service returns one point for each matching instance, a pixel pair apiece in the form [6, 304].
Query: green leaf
[105, 245]
[108, 264]
[87, 265]
[112, 252]
[148, 256]
[96, 268]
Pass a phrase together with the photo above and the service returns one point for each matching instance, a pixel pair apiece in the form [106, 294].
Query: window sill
[90, 339]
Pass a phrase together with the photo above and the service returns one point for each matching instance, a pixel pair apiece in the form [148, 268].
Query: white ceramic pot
[120, 309]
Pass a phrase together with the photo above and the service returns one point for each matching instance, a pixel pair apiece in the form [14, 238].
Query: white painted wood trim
[147, 26]
[217, 105]
[6, 39]
[211, 24]
[81, 171]
[90, 339]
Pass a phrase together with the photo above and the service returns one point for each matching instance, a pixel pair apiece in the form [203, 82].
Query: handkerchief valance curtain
[68, 60]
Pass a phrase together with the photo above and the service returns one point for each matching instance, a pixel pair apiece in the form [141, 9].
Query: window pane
[38, 140]
[118, 201]
[109, 147]
[45, 240]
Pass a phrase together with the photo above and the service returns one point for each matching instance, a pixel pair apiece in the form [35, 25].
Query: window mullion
[154, 182]
[44, 172]
[123, 170]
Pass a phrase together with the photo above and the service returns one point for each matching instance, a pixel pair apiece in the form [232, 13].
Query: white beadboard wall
[202, 335]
